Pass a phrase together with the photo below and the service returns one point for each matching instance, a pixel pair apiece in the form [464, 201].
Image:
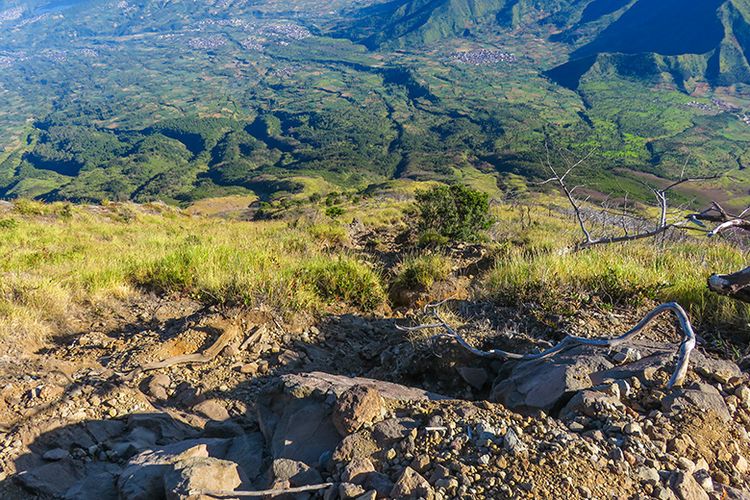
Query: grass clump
[533, 269]
[96, 257]
[422, 271]
[343, 280]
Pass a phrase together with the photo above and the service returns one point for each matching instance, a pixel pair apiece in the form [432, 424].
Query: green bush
[455, 212]
[334, 211]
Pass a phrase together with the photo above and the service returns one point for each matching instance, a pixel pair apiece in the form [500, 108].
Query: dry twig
[678, 376]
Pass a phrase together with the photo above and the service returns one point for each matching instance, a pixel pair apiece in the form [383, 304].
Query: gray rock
[391, 430]
[411, 484]
[247, 452]
[143, 477]
[349, 490]
[190, 476]
[649, 475]
[687, 488]
[541, 384]
[212, 409]
[158, 385]
[357, 406]
[55, 454]
[475, 377]
[513, 444]
[591, 403]
[52, 479]
[704, 397]
[95, 486]
[356, 471]
[380, 483]
[296, 473]
[324, 383]
[703, 478]
[165, 428]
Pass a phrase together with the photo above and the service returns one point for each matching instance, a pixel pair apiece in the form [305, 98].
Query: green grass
[56, 260]
[533, 267]
[422, 271]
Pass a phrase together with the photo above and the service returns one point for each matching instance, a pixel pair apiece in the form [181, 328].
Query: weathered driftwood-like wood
[269, 493]
[683, 357]
[226, 338]
[735, 285]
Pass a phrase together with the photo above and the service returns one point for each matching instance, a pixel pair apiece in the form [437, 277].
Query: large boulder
[189, 478]
[296, 414]
[545, 384]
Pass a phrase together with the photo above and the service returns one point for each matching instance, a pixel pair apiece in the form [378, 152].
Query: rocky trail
[166, 398]
[353, 408]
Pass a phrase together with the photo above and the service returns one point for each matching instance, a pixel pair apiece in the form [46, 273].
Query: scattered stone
[687, 488]
[296, 473]
[740, 463]
[360, 405]
[158, 386]
[212, 409]
[55, 454]
[357, 470]
[703, 478]
[513, 444]
[249, 369]
[349, 490]
[411, 484]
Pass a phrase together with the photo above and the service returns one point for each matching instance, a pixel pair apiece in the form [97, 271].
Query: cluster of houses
[11, 14]
[207, 42]
[483, 57]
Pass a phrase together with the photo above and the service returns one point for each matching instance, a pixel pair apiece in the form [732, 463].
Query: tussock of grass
[532, 268]
[422, 271]
[49, 263]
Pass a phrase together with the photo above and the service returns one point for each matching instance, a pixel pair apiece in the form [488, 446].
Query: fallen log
[735, 285]
[227, 337]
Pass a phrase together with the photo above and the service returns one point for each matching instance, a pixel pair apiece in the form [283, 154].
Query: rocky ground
[250, 405]
[351, 407]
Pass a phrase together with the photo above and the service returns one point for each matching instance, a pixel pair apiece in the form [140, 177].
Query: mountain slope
[713, 34]
[402, 23]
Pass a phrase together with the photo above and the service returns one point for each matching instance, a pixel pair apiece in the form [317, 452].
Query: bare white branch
[678, 376]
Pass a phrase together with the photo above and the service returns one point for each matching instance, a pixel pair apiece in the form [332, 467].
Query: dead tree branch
[662, 225]
[267, 493]
[735, 285]
[678, 376]
[226, 338]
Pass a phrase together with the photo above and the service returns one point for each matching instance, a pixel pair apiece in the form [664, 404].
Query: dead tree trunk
[735, 285]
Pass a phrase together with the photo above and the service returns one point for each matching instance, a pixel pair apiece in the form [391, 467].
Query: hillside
[152, 350]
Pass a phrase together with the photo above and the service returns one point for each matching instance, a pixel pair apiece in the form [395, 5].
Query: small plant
[455, 212]
[30, 207]
[334, 211]
[344, 280]
[8, 223]
[423, 271]
[432, 238]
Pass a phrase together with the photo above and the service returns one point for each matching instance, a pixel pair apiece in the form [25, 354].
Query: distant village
[273, 33]
[483, 57]
[719, 105]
